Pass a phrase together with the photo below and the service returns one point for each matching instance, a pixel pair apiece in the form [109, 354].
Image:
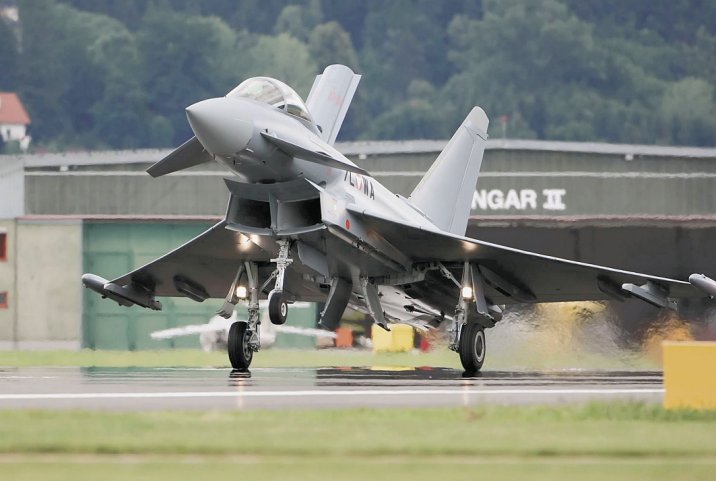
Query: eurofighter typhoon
[304, 223]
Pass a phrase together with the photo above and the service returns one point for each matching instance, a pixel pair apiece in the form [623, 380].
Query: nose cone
[218, 125]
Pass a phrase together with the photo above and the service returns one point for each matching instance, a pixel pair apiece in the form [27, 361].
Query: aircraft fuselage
[231, 130]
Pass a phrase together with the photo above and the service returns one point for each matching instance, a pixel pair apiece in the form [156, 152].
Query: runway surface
[138, 389]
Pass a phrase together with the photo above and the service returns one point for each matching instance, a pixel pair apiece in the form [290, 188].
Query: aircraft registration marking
[360, 183]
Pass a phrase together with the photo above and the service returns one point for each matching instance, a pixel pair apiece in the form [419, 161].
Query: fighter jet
[214, 335]
[304, 223]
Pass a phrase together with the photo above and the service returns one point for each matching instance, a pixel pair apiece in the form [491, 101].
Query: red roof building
[11, 110]
[13, 120]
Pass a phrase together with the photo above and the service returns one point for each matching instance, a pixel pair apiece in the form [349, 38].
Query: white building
[13, 120]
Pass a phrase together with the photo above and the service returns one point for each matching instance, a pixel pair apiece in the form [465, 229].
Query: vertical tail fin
[445, 192]
[330, 98]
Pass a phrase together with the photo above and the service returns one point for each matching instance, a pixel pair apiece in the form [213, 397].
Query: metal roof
[368, 148]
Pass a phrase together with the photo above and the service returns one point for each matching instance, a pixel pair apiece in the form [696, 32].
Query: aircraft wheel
[278, 309]
[472, 347]
[240, 353]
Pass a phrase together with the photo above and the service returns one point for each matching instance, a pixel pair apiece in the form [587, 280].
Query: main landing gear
[472, 347]
[468, 337]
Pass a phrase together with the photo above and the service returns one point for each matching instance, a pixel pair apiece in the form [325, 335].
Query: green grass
[197, 358]
[622, 430]
[280, 468]
[597, 441]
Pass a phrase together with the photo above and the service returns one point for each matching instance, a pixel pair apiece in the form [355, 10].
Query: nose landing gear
[244, 336]
[278, 307]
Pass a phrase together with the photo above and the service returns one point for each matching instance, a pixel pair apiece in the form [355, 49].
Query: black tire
[278, 309]
[240, 353]
[472, 347]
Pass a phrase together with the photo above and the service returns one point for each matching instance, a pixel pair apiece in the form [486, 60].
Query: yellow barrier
[689, 375]
[399, 339]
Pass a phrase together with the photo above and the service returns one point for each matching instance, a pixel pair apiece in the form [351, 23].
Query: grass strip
[280, 468]
[608, 430]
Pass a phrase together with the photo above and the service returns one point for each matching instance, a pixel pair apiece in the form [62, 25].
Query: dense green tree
[105, 73]
[120, 114]
[688, 112]
[58, 80]
[519, 57]
[8, 57]
[417, 117]
[299, 20]
[329, 44]
[285, 58]
[184, 59]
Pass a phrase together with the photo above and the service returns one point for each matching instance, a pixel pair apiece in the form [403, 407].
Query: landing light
[467, 292]
[241, 292]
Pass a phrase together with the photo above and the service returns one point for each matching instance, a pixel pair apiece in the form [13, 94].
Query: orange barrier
[344, 337]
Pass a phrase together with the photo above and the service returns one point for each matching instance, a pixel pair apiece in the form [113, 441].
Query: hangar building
[647, 208]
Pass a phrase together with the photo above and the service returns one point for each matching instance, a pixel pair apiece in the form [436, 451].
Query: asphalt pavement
[138, 389]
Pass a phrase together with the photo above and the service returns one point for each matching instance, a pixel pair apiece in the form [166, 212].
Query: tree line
[108, 74]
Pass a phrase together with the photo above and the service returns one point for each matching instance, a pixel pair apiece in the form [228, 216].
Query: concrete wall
[49, 307]
[7, 284]
[12, 187]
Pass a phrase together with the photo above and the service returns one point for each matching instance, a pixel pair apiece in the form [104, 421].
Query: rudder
[330, 98]
[445, 193]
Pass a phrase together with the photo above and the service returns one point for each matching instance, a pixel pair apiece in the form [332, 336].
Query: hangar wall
[48, 291]
[518, 178]
[8, 304]
[40, 275]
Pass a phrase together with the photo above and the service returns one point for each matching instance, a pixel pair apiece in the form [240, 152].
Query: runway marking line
[318, 393]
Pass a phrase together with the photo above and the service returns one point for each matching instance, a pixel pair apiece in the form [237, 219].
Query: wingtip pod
[478, 119]
[128, 295]
[703, 283]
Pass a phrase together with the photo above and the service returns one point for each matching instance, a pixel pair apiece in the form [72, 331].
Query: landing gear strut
[468, 338]
[244, 336]
[278, 307]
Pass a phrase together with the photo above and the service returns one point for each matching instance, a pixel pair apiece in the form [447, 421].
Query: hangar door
[111, 249]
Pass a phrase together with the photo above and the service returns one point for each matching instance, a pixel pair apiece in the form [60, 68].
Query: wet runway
[138, 389]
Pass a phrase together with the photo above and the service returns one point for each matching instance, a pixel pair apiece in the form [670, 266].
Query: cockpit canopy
[273, 92]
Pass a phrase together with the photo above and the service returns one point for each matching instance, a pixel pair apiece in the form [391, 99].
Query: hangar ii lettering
[513, 199]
